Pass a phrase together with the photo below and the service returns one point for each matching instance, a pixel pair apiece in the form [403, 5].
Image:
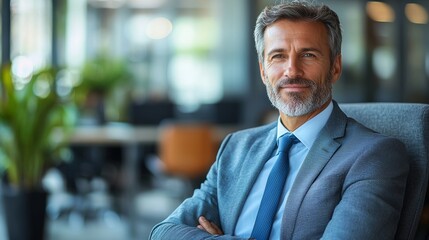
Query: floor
[150, 206]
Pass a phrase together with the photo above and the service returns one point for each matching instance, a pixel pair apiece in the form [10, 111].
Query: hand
[208, 226]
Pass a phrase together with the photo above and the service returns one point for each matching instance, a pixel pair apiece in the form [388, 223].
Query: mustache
[301, 81]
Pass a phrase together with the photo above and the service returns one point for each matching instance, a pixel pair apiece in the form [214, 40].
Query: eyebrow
[312, 50]
[280, 50]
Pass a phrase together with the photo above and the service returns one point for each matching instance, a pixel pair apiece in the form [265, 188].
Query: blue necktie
[273, 190]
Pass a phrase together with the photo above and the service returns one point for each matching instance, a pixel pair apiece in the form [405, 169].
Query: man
[344, 180]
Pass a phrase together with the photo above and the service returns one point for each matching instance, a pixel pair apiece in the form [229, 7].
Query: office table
[120, 134]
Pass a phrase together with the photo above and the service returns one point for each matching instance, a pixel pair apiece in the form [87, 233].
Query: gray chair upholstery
[409, 123]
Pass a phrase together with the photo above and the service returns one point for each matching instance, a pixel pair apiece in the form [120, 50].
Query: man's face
[297, 70]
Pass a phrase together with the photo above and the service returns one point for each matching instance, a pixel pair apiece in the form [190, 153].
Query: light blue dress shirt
[306, 134]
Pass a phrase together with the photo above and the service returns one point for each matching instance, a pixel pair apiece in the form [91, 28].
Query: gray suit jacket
[350, 186]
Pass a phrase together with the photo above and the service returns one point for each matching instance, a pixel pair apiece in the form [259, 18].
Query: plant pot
[25, 212]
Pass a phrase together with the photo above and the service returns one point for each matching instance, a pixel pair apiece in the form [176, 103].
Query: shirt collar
[308, 132]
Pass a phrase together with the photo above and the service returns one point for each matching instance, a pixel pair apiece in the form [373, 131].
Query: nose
[293, 68]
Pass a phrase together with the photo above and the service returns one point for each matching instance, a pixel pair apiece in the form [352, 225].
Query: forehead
[306, 34]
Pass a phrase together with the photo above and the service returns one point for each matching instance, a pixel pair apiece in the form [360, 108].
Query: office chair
[409, 122]
[187, 149]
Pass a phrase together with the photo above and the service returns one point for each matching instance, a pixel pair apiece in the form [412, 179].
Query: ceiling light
[159, 28]
[416, 13]
[380, 12]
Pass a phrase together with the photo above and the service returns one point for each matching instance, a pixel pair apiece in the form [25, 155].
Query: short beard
[299, 105]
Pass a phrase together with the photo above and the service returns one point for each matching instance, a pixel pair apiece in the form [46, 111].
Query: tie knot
[286, 141]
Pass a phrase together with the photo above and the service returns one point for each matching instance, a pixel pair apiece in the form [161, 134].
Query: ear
[262, 72]
[337, 67]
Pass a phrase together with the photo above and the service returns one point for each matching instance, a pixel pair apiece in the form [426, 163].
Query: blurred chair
[229, 111]
[186, 150]
[151, 112]
[409, 123]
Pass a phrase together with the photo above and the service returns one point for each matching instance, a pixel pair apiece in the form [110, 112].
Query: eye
[309, 55]
[277, 56]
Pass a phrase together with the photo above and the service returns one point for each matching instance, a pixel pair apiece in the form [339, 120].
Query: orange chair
[187, 150]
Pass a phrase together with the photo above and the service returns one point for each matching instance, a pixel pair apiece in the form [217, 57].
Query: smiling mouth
[295, 87]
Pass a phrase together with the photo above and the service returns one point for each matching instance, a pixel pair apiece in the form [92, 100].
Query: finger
[210, 227]
[206, 225]
[218, 230]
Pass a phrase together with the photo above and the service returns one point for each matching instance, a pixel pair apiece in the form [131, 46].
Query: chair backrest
[187, 149]
[409, 122]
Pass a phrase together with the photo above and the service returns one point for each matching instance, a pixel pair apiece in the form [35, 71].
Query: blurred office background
[141, 63]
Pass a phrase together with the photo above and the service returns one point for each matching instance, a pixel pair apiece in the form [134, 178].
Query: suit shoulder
[251, 136]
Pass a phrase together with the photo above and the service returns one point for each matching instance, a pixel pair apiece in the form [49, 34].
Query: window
[182, 51]
[31, 32]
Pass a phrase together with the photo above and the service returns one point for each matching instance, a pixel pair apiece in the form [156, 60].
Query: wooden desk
[120, 134]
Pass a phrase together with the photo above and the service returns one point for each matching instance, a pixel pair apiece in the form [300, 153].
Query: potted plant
[35, 118]
[101, 78]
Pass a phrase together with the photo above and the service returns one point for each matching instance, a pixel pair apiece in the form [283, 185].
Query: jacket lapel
[321, 152]
[253, 162]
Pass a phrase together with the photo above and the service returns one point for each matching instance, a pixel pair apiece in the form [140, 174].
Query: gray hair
[297, 11]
